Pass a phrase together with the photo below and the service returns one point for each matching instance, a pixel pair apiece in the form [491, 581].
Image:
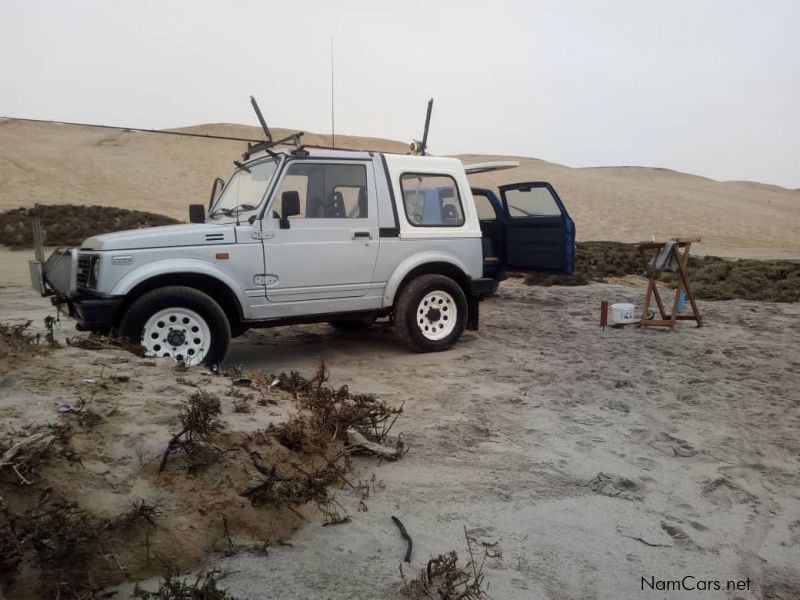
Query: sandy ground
[52, 164]
[591, 458]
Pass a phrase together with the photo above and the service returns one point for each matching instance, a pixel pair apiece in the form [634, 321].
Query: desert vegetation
[70, 224]
[712, 278]
[241, 490]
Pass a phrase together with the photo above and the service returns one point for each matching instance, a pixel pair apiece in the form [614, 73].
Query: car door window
[326, 191]
[532, 201]
[483, 205]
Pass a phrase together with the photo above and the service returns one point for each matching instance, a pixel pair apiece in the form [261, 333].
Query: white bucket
[623, 312]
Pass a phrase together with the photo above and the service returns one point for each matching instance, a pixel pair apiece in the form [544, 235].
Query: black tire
[137, 314]
[408, 306]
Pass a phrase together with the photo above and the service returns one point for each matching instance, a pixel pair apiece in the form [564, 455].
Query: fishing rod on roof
[253, 145]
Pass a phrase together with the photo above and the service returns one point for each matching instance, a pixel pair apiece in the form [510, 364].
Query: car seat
[335, 207]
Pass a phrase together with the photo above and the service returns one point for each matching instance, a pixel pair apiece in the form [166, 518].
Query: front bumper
[92, 314]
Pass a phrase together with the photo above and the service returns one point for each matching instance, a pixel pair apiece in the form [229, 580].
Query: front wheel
[178, 322]
[431, 313]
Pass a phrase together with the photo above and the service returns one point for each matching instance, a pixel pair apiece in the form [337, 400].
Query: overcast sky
[706, 87]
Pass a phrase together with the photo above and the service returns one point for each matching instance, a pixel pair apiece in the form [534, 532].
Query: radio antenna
[333, 128]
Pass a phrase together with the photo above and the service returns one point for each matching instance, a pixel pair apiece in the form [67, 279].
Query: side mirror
[290, 206]
[216, 187]
[197, 213]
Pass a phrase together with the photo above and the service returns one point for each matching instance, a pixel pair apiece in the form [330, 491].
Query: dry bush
[140, 513]
[16, 340]
[204, 587]
[294, 434]
[69, 224]
[83, 415]
[96, 341]
[295, 490]
[241, 401]
[443, 579]
[22, 455]
[199, 423]
[334, 411]
[67, 545]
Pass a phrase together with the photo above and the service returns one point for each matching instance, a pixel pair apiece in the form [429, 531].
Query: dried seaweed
[96, 341]
[68, 544]
[204, 587]
[335, 410]
[444, 579]
[16, 339]
[199, 422]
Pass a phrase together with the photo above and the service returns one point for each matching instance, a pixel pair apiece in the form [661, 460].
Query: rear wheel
[178, 322]
[431, 313]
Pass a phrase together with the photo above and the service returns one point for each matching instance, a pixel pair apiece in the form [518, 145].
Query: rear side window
[327, 191]
[531, 201]
[431, 200]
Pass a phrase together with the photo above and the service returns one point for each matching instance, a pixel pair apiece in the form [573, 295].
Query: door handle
[361, 235]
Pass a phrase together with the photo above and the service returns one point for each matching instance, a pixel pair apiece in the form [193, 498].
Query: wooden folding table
[652, 249]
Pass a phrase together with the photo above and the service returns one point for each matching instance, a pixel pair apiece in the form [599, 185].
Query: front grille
[84, 277]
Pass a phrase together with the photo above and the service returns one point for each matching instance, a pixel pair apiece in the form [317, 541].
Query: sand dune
[48, 163]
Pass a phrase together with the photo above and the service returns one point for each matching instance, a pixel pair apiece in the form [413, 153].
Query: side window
[532, 202]
[431, 200]
[332, 191]
[484, 207]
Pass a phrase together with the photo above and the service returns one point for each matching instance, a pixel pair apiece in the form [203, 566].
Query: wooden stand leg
[650, 284]
[682, 285]
[684, 279]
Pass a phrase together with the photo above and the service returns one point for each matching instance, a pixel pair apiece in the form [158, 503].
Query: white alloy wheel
[177, 332]
[437, 315]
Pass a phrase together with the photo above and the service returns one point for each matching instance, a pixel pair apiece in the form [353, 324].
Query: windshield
[245, 189]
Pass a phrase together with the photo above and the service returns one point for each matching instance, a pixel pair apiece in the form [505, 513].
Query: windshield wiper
[231, 211]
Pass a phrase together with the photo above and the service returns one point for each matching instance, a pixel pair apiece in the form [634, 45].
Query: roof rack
[268, 144]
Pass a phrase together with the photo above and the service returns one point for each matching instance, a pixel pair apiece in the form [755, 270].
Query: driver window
[332, 191]
[533, 201]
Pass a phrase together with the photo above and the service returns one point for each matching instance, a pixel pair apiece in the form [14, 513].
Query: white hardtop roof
[424, 164]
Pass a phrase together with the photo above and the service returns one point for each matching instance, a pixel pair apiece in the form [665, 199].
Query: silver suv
[307, 235]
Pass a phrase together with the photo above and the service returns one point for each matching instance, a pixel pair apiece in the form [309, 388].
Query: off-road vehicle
[307, 235]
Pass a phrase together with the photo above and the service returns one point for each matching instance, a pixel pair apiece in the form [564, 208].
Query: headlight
[87, 271]
[95, 272]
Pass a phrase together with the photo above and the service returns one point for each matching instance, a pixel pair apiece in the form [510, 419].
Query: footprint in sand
[676, 533]
[673, 446]
[618, 405]
[723, 492]
[794, 529]
[645, 463]
[698, 526]
[615, 486]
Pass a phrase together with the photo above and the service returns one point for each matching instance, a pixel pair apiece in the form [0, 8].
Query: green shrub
[70, 224]
[711, 277]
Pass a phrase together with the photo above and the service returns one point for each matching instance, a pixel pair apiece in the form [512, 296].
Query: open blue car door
[540, 235]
